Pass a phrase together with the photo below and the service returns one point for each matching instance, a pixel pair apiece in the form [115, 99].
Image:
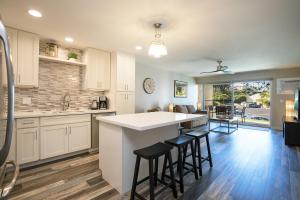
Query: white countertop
[150, 120]
[58, 113]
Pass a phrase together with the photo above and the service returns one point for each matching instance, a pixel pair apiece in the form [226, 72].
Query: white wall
[164, 92]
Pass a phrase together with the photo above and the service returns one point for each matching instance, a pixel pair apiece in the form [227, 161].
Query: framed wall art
[180, 89]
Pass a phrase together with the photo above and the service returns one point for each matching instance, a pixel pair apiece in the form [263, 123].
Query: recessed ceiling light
[35, 13]
[69, 39]
[138, 48]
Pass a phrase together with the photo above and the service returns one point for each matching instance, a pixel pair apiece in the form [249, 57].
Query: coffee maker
[103, 103]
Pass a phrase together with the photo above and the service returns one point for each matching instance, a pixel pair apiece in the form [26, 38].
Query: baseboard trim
[276, 128]
[54, 159]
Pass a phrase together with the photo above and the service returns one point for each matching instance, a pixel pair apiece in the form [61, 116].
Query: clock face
[149, 85]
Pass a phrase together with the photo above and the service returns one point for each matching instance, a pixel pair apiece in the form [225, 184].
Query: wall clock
[149, 85]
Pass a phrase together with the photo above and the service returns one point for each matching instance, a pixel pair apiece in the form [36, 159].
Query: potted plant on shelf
[72, 56]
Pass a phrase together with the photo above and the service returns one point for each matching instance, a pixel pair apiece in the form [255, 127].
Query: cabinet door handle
[66, 130]
[36, 134]
[69, 130]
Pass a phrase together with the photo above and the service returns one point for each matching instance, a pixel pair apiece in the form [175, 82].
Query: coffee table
[230, 123]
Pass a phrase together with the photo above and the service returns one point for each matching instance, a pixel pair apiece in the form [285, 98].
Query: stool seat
[153, 151]
[180, 140]
[198, 134]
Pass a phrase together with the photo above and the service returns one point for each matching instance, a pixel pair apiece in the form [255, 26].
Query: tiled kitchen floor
[248, 164]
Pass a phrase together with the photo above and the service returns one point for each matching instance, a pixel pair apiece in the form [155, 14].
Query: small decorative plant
[72, 55]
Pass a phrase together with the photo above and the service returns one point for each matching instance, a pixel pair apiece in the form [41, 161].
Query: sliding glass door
[252, 102]
[249, 101]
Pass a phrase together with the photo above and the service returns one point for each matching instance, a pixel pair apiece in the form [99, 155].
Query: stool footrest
[166, 185]
[139, 196]
[143, 180]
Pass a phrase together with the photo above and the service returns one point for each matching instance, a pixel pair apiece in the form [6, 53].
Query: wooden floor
[248, 164]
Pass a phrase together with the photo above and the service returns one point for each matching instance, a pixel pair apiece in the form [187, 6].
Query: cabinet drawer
[27, 123]
[48, 121]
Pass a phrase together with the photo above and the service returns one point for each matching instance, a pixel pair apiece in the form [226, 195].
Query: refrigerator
[7, 103]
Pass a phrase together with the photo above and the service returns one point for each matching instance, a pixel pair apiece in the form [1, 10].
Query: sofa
[190, 109]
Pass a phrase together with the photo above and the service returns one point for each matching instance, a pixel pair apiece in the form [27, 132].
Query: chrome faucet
[66, 102]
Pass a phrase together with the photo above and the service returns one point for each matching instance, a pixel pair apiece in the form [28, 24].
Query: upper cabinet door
[125, 72]
[13, 41]
[130, 103]
[97, 74]
[121, 105]
[121, 71]
[28, 60]
[130, 75]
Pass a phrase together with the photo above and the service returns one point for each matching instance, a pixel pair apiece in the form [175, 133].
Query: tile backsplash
[56, 80]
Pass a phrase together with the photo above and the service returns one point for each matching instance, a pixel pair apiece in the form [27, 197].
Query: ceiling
[247, 35]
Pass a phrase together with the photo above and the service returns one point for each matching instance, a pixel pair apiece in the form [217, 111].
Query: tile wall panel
[56, 80]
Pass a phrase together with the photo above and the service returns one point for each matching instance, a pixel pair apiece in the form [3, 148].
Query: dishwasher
[95, 130]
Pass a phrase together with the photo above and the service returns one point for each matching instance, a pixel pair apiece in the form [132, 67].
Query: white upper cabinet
[125, 72]
[97, 73]
[125, 103]
[25, 60]
[28, 59]
[13, 41]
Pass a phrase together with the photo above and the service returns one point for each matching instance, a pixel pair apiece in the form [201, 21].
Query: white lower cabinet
[66, 134]
[27, 145]
[47, 137]
[79, 136]
[12, 153]
[54, 141]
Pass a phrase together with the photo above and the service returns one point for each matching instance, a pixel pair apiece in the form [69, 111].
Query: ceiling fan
[221, 69]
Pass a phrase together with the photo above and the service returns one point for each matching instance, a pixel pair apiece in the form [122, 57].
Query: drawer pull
[28, 122]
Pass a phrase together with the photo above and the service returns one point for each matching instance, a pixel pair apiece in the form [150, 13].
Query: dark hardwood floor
[248, 164]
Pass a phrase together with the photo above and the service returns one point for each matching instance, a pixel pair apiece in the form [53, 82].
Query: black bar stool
[181, 142]
[198, 135]
[153, 153]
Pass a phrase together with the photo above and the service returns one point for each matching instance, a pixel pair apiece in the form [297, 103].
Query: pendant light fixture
[157, 47]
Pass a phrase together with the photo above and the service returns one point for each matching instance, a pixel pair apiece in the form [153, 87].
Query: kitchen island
[120, 135]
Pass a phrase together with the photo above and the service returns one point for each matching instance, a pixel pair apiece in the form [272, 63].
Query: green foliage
[265, 99]
[222, 94]
[240, 96]
[72, 55]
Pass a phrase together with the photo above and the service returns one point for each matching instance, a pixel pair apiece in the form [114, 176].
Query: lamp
[171, 107]
[157, 47]
[199, 106]
[289, 108]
